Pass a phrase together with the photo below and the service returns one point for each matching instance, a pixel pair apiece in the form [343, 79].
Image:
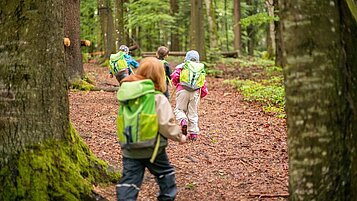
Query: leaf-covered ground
[241, 153]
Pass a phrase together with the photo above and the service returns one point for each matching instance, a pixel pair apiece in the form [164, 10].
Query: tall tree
[175, 38]
[237, 27]
[278, 35]
[72, 31]
[270, 36]
[212, 25]
[119, 23]
[41, 157]
[106, 24]
[320, 69]
[197, 37]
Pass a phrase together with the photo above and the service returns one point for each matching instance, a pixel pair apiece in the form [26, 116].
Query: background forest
[246, 27]
[288, 132]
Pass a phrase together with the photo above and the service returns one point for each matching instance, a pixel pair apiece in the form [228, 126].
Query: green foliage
[54, 170]
[257, 19]
[272, 96]
[84, 84]
[89, 21]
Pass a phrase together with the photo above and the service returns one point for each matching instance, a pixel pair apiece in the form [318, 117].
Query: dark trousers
[133, 174]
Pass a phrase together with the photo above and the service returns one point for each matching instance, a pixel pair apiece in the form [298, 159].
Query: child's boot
[184, 126]
[192, 136]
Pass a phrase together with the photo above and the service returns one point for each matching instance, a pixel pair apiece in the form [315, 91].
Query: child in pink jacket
[186, 110]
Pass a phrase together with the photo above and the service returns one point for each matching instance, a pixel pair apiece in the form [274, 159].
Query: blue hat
[124, 48]
[192, 55]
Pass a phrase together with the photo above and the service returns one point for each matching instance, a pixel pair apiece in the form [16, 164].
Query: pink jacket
[175, 78]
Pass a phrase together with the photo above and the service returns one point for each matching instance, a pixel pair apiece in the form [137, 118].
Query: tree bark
[320, 68]
[41, 157]
[106, 23]
[271, 29]
[175, 38]
[197, 37]
[237, 27]
[119, 23]
[278, 37]
[73, 53]
[211, 15]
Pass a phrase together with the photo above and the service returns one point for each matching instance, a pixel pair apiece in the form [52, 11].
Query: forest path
[241, 153]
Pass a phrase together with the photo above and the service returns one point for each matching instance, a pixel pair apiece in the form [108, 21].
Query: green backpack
[117, 62]
[137, 123]
[192, 76]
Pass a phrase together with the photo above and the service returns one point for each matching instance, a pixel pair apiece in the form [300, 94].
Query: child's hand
[183, 139]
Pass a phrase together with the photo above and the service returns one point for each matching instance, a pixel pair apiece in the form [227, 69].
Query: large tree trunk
[106, 23]
[41, 157]
[320, 68]
[212, 25]
[237, 27]
[197, 36]
[175, 38]
[73, 53]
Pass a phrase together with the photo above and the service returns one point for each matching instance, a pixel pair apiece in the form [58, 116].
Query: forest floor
[241, 152]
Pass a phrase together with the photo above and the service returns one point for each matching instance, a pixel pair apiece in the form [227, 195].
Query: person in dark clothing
[162, 54]
[135, 160]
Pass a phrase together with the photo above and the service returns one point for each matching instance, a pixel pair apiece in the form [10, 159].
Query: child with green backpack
[120, 63]
[190, 83]
[162, 53]
[145, 122]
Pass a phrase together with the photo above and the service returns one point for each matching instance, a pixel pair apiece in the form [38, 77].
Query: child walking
[190, 83]
[144, 108]
[162, 53]
[121, 62]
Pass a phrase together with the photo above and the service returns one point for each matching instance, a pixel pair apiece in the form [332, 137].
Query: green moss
[82, 84]
[54, 170]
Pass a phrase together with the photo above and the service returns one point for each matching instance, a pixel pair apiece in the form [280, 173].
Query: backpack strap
[154, 154]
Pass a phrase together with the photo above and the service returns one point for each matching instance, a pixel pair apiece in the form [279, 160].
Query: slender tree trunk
[73, 53]
[127, 40]
[197, 37]
[119, 23]
[271, 29]
[211, 15]
[226, 24]
[320, 68]
[237, 27]
[175, 38]
[251, 30]
[278, 35]
[41, 157]
[106, 22]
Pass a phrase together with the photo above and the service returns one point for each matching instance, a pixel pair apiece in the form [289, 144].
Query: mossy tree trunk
[320, 70]
[278, 36]
[73, 53]
[197, 36]
[41, 156]
[212, 25]
[119, 23]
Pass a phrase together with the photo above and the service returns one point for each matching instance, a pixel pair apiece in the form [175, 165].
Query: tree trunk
[41, 157]
[278, 36]
[175, 38]
[73, 53]
[106, 23]
[211, 15]
[251, 30]
[320, 68]
[197, 37]
[271, 29]
[237, 27]
[119, 23]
